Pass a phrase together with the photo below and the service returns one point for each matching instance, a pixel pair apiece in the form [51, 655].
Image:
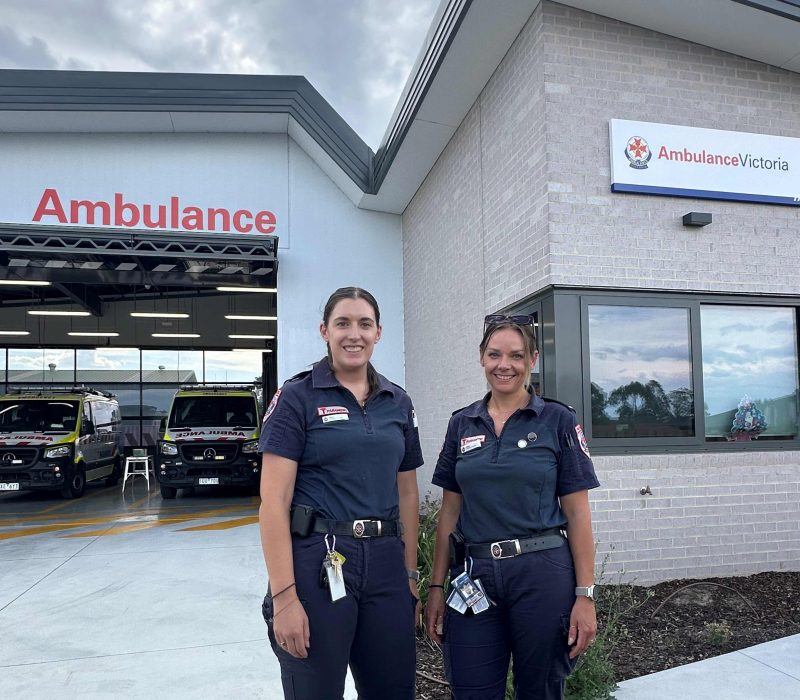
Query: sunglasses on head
[494, 319]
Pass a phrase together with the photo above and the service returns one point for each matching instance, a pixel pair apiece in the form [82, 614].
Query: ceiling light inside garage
[156, 314]
[26, 283]
[175, 335]
[232, 317]
[260, 290]
[37, 312]
[251, 337]
[94, 334]
[15, 333]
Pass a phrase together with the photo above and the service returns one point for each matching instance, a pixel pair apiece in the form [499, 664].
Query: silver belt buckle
[360, 526]
[496, 549]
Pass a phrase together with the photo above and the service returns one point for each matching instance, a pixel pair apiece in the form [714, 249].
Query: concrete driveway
[131, 596]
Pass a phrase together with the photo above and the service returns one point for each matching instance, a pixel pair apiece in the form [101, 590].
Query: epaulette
[397, 385]
[300, 375]
[460, 409]
[565, 405]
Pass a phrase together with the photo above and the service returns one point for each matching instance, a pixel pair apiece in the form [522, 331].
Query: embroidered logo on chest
[331, 414]
[473, 442]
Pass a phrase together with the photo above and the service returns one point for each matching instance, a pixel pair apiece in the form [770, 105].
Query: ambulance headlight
[250, 447]
[168, 448]
[54, 452]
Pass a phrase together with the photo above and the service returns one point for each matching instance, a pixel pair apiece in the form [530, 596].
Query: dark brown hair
[353, 293]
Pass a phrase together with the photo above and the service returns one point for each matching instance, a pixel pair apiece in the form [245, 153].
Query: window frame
[693, 303]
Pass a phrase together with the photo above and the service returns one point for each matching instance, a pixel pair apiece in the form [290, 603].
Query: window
[686, 371]
[640, 369]
[226, 366]
[750, 368]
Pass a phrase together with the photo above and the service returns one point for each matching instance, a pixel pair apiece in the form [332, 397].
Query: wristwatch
[413, 574]
[585, 591]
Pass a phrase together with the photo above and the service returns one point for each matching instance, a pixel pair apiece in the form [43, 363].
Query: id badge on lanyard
[466, 593]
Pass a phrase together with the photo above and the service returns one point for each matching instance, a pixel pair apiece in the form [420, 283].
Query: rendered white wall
[333, 244]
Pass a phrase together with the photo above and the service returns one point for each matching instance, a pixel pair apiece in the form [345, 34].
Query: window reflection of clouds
[747, 350]
[109, 358]
[639, 343]
[41, 359]
[226, 366]
[175, 360]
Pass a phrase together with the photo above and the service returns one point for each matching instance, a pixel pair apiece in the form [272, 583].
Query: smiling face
[351, 333]
[506, 362]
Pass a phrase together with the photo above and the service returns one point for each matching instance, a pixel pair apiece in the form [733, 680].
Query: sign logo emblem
[358, 529]
[209, 454]
[497, 550]
[9, 457]
[638, 152]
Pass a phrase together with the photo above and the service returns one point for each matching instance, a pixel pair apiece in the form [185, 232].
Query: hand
[412, 584]
[290, 627]
[434, 614]
[582, 626]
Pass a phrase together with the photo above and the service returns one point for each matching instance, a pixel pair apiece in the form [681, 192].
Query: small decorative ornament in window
[748, 421]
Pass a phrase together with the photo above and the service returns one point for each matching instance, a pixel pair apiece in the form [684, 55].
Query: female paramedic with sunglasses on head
[515, 470]
[338, 498]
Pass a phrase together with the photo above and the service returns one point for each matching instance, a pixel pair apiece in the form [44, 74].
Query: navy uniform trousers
[534, 594]
[371, 629]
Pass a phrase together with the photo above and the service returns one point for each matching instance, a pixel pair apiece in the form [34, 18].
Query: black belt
[358, 528]
[503, 549]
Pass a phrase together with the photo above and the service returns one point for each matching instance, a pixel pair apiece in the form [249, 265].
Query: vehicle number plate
[9, 487]
[210, 481]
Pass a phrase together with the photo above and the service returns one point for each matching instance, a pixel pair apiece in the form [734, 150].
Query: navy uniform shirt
[510, 483]
[347, 456]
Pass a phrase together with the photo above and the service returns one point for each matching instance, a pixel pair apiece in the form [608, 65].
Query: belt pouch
[457, 548]
[302, 520]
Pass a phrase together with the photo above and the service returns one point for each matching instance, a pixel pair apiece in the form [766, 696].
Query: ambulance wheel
[113, 478]
[77, 483]
[168, 492]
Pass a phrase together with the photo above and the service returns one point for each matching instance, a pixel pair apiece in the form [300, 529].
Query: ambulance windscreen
[213, 412]
[38, 416]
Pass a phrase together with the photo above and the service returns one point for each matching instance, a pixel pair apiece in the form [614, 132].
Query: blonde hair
[528, 337]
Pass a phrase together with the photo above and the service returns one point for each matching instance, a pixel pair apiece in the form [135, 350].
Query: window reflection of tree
[641, 410]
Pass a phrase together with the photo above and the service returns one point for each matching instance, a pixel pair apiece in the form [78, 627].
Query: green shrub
[428, 517]
[593, 678]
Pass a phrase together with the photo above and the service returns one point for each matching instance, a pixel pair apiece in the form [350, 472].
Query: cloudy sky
[357, 53]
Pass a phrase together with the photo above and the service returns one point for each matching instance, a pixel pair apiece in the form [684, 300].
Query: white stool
[138, 463]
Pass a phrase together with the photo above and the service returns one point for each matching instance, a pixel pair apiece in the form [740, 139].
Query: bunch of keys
[467, 594]
[331, 573]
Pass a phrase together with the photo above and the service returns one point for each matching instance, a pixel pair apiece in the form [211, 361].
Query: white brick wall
[521, 199]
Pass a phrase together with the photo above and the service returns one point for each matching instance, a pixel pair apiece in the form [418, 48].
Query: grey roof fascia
[790, 9]
[49, 90]
[442, 36]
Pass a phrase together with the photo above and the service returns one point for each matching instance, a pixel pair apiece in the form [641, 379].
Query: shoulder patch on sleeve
[272, 405]
[582, 440]
[565, 405]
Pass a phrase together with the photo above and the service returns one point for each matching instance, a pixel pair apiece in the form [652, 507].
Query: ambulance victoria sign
[681, 161]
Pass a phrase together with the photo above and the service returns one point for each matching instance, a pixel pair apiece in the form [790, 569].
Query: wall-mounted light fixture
[697, 218]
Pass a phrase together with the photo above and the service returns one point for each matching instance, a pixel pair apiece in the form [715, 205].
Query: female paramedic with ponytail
[338, 500]
[515, 470]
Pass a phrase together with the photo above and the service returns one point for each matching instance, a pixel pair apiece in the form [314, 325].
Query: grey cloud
[356, 53]
[17, 53]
